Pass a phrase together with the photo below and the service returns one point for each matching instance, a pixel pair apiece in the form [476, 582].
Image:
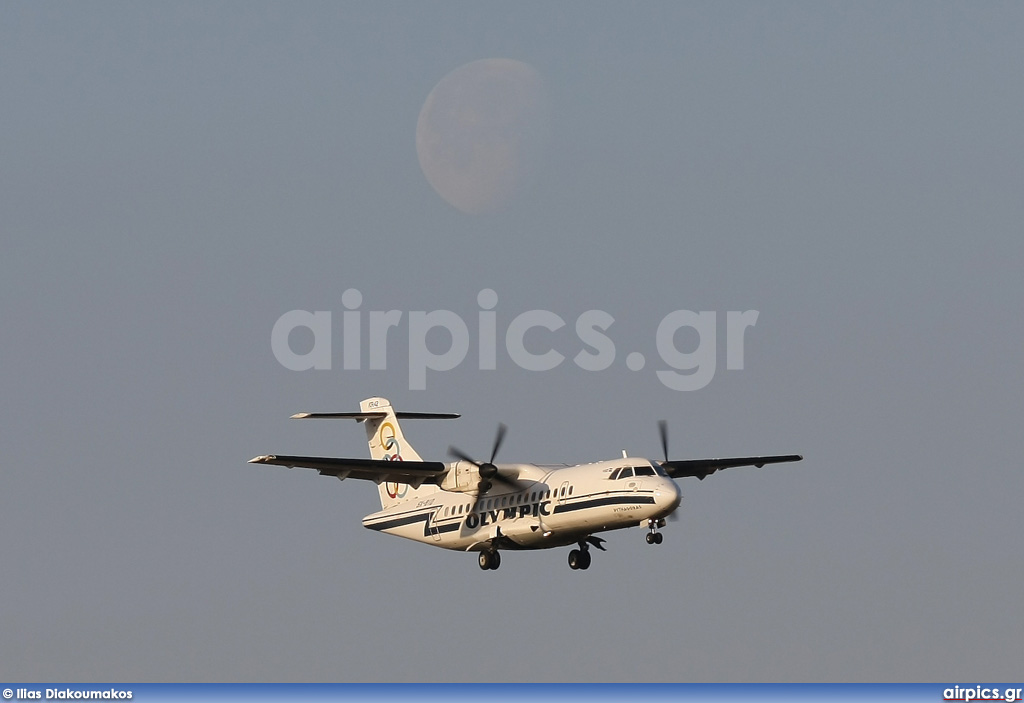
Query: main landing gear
[490, 560]
[655, 537]
[580, 558]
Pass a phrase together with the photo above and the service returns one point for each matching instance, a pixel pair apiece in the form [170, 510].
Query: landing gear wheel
[658, 537]
[584, 562]
[575, 559]
[489, 560]
[650, 537]
[579, 559]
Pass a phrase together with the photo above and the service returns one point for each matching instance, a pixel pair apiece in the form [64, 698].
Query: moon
[481, 133]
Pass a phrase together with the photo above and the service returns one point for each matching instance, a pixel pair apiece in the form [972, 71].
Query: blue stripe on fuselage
[411, 519]
[631, 498]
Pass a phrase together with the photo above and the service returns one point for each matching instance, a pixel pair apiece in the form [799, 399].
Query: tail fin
[384, 435]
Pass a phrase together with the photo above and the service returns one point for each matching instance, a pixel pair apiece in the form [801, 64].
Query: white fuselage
[549, 507]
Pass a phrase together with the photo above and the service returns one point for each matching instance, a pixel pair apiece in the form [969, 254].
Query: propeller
[487, 470]
[663, 433]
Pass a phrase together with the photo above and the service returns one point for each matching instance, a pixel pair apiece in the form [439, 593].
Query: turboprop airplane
[479, 506]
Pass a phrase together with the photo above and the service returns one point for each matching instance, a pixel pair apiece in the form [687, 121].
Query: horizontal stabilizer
[371, 415]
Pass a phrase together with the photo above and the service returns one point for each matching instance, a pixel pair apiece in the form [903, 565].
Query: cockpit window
[629, 472]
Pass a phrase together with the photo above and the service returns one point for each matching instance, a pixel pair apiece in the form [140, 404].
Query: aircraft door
[433, 525]
[563, 492]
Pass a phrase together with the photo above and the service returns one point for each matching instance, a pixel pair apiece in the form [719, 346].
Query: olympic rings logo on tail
[391, 445]
[392, 452]
[396, 490]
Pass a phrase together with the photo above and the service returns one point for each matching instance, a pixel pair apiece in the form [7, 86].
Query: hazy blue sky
[174, 178]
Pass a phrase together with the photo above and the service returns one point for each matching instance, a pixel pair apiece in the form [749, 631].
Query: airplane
[479, 506]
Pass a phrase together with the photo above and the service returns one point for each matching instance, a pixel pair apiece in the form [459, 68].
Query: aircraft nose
[667, 497]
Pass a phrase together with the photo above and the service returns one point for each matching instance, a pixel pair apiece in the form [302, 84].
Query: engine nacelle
[462, 477]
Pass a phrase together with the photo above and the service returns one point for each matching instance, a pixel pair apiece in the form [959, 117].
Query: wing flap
[702, 468]
[376, 470]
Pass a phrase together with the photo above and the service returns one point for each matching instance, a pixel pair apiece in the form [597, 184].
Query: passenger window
[570, 490]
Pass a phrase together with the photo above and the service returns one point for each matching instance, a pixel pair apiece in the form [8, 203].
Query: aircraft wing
[702, 468]
[415, 473]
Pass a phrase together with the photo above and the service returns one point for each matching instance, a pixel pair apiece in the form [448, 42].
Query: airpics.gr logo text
[595, 349]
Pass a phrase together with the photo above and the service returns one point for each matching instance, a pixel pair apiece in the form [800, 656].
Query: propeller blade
[499, 438]
[511, 482]
[459, 454]
[663, 433]
[481, 488]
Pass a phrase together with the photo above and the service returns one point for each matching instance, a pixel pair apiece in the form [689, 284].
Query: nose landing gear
[655, 537]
